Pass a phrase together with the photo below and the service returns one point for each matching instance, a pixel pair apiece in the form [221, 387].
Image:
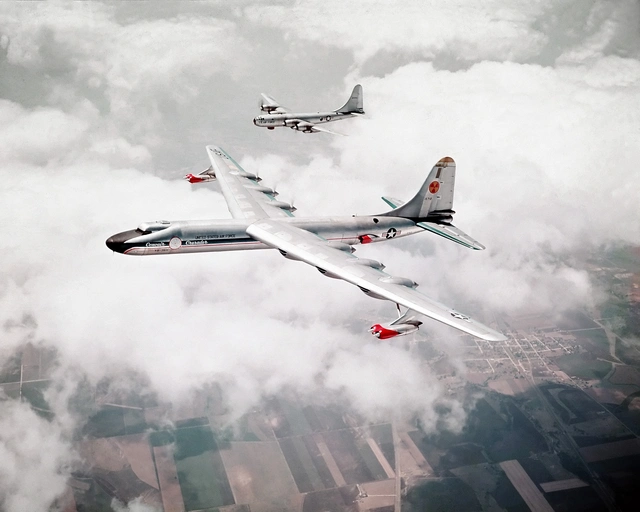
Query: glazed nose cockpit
[119, 242]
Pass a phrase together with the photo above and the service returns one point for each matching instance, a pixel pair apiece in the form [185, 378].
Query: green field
[115, 421]
[443, 496]
[625, 257]
[203, 480]
[383, 435]
[583, 366]
[301, 464]
[487, 435]
[33, 392]
[571, 320]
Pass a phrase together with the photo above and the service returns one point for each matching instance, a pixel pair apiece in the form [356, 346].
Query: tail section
[434, 201]
[432, 207]
[355, 104]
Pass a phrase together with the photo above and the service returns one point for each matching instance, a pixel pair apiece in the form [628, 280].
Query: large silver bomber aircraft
[277, 115]
[260, 221]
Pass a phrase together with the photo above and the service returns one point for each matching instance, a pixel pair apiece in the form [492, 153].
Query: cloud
[457, 34]
[103, 104]
[36, 457]
[493, 30]
[133, 506]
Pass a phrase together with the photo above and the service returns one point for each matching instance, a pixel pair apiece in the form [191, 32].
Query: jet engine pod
[341, 247]
[263, 189]
[386, 331]
[368, 263]
[402, 281]
[282, 205]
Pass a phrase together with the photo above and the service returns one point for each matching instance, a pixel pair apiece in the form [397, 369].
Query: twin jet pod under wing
[278, 116]
[261, 221]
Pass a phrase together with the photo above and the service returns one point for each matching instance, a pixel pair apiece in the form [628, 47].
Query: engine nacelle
[402, 281]
[368, 263]
[246, 174]
[391, 330]
[263, 189]
[198, 178]
[206, 175]
[341, 246]
[282, 205]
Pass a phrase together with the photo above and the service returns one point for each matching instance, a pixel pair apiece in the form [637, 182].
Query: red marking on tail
[434, 186]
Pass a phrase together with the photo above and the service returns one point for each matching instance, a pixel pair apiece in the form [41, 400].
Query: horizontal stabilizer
[452, 233]
[392, 201]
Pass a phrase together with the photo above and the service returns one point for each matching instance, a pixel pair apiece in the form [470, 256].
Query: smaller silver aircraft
[277, 115]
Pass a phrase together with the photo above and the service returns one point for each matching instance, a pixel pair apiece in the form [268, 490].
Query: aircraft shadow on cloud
[261, 221]
[307, 122]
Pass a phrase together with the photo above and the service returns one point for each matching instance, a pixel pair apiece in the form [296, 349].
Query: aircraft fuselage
[289, 119]
[181, 237]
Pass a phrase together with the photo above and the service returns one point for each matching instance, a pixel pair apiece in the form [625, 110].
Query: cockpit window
[142, 232]
[150, 227]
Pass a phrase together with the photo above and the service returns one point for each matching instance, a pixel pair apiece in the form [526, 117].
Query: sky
[105, 106]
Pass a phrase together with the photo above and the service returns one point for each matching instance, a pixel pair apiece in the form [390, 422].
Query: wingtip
[494, 336]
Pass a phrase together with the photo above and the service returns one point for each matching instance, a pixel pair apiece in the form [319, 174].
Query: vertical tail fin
[434, 200]
[355, 103]
[432, 207]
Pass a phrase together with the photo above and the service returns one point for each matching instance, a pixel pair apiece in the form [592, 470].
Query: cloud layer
[104, 106]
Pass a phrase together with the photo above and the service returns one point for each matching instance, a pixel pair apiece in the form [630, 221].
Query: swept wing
[331, 260]
[246, 197]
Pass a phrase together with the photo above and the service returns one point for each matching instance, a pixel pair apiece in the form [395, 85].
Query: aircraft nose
[255, 121]
[118, 243]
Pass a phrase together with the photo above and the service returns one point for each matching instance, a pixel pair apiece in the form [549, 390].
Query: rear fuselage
[180, 237]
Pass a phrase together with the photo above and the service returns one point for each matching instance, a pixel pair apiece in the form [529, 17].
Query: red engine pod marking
[365, 239]
[193, 179]
[434, 186]
[382, 333]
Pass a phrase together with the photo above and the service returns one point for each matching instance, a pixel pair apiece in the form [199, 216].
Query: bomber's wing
[316, 128]
[268, 104]
[336, 260]
[306, 126]
[246, 197]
